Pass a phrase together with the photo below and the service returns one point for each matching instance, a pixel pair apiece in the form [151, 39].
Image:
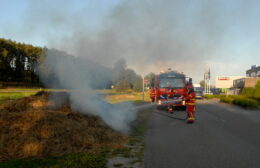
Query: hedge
[240, 100]
[226, 99]
[245, 102]
[252, 92]
[212, 96]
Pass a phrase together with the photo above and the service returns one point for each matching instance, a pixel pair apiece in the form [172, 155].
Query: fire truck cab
[170, 89]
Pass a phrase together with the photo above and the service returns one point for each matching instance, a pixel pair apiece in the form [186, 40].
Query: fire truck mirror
[190, 80]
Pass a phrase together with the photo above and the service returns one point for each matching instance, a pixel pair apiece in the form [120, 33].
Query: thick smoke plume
[81, 76]
[181, 34]
[149, 34]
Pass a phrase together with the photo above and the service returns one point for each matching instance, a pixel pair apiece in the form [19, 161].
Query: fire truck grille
[177, 95]
[165, 95]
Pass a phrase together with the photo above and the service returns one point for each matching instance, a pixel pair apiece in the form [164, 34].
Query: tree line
[21, 63]
[18, 62]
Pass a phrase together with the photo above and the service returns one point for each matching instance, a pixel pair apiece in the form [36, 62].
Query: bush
[257, 90]
[226, 99]
[211, 96]
[248, 92]
[245, 102]
[252, 92]
[240, 100]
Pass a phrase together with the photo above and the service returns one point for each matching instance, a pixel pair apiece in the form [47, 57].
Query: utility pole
[143, 88]
[207, 81]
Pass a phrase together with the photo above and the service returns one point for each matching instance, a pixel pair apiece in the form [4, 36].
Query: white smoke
[182, 33]
[81, 76]
[148, 32]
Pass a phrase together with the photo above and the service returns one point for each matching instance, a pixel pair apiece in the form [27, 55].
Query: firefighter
[152, 95]
[171, 105]
[170, 108]
[190, 102]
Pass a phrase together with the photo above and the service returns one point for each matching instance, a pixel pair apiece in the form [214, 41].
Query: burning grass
[34, 127]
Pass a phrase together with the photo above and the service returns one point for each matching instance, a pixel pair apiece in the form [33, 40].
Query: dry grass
[134, 96]
[33, 127]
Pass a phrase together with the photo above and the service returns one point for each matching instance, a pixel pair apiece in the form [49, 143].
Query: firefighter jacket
[191, 98]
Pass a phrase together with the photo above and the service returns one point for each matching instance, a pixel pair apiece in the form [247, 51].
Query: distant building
[226, 82]
[246, 82]
[241, 83]
[235, 84]
[253, 72]
[252, 77]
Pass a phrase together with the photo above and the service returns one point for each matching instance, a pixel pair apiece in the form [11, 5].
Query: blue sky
[189, 36]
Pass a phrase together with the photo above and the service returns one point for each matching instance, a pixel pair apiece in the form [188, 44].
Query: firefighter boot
[190, 118]
[170, 109]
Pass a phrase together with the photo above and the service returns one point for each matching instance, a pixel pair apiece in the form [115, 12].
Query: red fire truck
[170, 89]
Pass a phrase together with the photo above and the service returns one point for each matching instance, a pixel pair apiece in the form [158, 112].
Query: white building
[226, 81]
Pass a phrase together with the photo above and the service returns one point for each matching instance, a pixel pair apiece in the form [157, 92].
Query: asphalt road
[223, 136]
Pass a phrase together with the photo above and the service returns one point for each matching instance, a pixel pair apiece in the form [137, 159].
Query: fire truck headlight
[159, 102]
[183, 102]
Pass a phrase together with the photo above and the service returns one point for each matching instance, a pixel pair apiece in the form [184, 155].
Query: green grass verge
[84, 160]
[31, 90]
[5, 96]
[139, 128]
[111, 95]
[240, 100]
[124, 152]
[17, 93]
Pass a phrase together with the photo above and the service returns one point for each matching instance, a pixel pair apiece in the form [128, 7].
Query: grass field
[16, 93]
[29, 89]
[135, 97]
[89, 160]
[111, 95]
[5, 96]
[93, 160]
[85, 159]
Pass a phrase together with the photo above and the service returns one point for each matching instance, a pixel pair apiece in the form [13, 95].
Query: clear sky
[189, 36]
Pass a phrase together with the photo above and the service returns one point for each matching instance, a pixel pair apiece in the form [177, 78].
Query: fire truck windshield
[175, 83]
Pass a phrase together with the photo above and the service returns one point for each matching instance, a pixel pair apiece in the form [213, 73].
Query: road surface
[223, 136]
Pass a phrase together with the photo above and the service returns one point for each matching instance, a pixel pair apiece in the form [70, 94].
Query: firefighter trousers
[190, 110]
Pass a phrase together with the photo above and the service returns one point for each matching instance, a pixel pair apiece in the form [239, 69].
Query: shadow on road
[172, 115]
